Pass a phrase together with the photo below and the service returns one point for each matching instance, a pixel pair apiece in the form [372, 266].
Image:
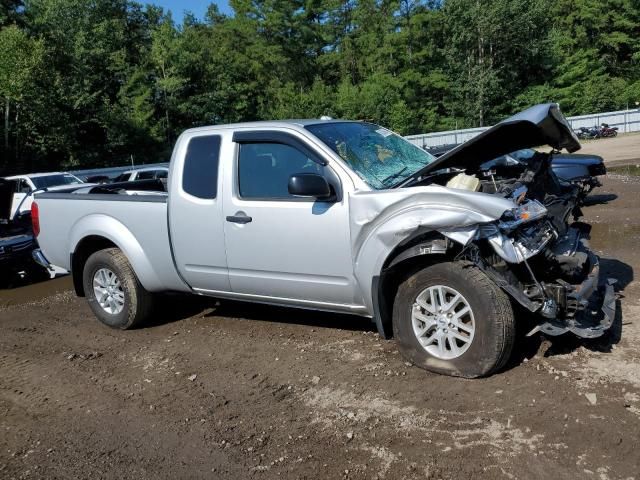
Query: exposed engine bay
[519, 182]
[538, 252]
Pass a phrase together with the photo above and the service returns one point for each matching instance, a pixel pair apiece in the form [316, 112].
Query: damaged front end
[516, 220]
[554, 275]
[537, 251]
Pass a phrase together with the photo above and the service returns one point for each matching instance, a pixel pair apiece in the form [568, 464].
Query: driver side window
[264, 169]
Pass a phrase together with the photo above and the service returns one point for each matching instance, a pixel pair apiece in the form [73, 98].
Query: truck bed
[134, 212]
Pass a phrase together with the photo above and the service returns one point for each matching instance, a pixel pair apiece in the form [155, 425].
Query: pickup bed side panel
[137, 227]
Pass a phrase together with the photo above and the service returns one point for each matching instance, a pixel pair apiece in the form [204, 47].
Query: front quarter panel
[381, 220]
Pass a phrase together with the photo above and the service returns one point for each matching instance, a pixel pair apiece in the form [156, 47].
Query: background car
[30, 182]
[148, 173]
[16, 238]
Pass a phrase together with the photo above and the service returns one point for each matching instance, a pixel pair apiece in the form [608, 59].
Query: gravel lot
[231, 390]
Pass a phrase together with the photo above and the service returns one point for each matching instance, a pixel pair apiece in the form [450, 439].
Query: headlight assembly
[527, 212]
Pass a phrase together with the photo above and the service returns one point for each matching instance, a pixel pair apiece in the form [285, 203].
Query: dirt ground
[232, 391]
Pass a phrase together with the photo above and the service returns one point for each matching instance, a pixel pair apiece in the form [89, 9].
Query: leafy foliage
[94, 83]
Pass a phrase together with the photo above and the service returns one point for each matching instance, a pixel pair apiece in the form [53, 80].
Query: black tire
[138, 303]
[494, 334]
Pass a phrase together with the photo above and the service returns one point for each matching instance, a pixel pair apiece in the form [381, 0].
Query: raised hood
[536, 126]
[7, 189]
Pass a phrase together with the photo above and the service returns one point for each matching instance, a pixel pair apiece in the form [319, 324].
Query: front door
[282, 246]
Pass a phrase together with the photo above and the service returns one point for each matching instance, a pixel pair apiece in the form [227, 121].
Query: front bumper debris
[596, 309]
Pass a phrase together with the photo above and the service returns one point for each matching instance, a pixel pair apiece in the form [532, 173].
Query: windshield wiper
[393, 176]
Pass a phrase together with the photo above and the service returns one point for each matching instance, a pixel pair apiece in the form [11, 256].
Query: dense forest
[88, 83]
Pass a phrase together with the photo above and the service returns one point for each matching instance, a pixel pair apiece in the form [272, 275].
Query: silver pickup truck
[347, 217]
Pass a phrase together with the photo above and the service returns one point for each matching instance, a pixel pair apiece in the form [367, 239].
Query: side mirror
[309, 185]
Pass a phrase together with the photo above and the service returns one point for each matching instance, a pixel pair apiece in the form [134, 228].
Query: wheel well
[406, 259]
[85, 248]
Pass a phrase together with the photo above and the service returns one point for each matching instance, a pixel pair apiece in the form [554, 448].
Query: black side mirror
[309, 185]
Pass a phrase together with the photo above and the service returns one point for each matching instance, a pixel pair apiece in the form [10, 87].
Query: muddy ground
[233, 391]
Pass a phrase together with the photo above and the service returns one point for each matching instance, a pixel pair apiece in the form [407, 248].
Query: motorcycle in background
[607, 131]
[591, 133]
[588, 133]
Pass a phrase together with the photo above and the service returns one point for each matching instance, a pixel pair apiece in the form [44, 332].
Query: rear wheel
[450, 318]
[113, 291]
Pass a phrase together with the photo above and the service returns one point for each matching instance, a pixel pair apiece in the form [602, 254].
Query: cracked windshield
[381, 158]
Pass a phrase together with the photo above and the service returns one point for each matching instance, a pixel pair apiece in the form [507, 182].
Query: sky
[197, 7]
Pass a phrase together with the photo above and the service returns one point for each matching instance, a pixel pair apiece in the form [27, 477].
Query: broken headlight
[527, 212]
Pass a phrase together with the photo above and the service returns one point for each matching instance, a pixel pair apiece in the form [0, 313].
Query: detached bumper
[595, 299]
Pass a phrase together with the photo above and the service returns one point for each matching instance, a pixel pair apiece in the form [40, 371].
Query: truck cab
[239, 177]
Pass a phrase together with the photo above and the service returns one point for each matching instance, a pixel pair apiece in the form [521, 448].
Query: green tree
[494, 49]
[20, 59]
[94, 83]
[164, 53]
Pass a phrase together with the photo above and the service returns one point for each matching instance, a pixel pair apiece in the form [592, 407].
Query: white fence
[626, 121]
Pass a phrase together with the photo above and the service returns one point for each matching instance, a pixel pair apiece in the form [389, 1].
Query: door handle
[239, 217]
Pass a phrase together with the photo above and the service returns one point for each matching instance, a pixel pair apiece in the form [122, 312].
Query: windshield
[55, 180]
[380, 157]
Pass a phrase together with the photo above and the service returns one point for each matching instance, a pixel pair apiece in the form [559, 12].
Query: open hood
[539, 125]
[7, 189]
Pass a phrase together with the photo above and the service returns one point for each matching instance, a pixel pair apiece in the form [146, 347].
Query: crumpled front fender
[380, 221]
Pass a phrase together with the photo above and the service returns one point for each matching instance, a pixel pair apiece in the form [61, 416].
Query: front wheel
[113, 291]
[450, 318]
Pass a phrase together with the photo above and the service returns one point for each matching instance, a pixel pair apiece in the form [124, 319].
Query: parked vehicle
[31, 182]
[98, 179]
[570, 168]
[347, 217]
[591, 133]
[16, 238]
[581, 170]
[142, 174]
[607, 131]
[588, 133]
[440, 150]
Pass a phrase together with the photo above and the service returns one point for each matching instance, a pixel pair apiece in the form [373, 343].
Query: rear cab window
[200, 171]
